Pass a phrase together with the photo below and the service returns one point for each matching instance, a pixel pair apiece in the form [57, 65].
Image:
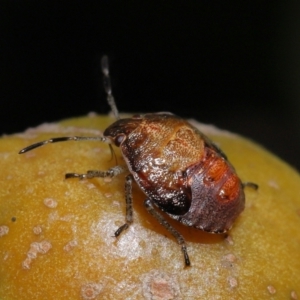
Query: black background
[235, 65]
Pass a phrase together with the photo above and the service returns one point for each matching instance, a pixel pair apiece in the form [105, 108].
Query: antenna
[107, 86]
[63, 139]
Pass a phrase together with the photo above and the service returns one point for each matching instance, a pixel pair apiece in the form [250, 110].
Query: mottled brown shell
[180, 170]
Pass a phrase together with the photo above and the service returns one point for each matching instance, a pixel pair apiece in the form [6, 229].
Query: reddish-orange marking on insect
[230, 189]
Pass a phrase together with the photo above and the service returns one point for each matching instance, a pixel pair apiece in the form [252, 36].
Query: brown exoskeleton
[178, 168]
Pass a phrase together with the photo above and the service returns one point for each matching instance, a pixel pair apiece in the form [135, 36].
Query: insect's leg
[112, 172]
[180, 240]
[63, 139]
[128, 199]
[251, 185]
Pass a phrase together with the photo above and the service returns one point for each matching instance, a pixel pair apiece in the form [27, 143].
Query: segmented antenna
[107, 86]
[64, 139]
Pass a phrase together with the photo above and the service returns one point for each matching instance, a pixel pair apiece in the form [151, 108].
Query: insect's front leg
[129, 210]
[112, 172]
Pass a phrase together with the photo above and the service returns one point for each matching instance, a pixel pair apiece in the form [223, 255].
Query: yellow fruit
[57, 236]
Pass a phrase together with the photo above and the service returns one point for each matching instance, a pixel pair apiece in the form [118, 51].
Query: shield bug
[180, 170]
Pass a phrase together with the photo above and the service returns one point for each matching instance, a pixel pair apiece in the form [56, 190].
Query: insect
[181, 171]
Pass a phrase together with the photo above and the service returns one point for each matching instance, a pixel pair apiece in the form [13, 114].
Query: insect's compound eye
[137, 116]
[119, 139]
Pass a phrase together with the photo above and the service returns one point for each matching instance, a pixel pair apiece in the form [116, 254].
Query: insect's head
[119, 130]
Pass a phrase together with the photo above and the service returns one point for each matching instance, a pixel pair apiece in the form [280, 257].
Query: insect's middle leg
[180, 240]
[112, 172]
[129, 210]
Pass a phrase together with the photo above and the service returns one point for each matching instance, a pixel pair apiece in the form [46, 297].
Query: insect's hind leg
[180, 240]
[112, 172]
[250, 184]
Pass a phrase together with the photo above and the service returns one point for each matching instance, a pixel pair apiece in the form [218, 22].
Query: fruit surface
[57, 236]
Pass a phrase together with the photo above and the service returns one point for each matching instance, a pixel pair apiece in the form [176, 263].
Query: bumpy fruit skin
[56, 235]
